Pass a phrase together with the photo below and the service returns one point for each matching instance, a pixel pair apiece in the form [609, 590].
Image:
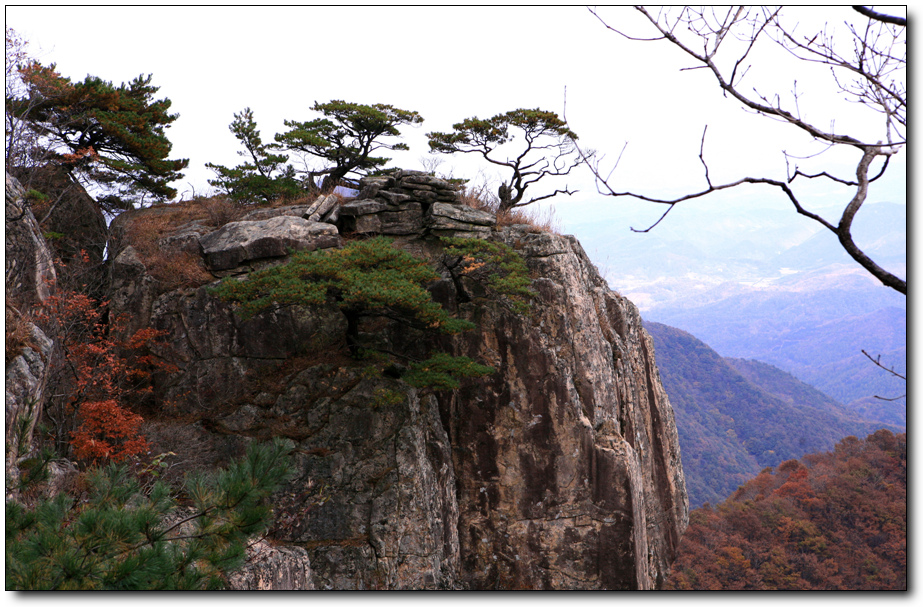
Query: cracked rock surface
[560, 470]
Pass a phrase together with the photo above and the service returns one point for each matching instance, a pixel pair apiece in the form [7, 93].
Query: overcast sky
[449, 64]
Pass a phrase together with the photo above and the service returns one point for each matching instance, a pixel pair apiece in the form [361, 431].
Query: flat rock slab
[242, 241]
[455, 217]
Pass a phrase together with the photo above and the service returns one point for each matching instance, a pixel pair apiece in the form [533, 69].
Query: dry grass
[481, 198]
[174, 269]
[18, 332]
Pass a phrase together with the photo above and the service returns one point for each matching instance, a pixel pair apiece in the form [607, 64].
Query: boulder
[321, 207]
[459, 221]
[296, 210]
[241, 241]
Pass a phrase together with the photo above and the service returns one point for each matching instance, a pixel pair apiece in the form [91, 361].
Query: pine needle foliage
[109, 135]
[364, 278]
[265, 178]
[347, 137]
[441, 370]
[119, 538]
[496, 265]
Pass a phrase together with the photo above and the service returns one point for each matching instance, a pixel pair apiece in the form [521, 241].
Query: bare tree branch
[876, 80]
[880, 16]
[877, 361]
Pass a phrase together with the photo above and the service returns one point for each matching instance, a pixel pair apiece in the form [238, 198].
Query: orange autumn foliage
[108, 374]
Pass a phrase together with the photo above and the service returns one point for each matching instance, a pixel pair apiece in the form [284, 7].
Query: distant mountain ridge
[756, 281]
[736, 417]
[816, 336]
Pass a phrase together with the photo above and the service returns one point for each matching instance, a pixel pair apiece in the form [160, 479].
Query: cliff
[560, 470]
[29, 278]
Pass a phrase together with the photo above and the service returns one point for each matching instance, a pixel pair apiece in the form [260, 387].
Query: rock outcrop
[561, 470]
[567, 461]
[30, 273]
[30, 279]
[242, 241]
[412, 203]
[273, 568]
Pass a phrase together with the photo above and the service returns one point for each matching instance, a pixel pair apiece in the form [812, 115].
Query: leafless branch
[877, 362]
[878, 83]
[880, 16]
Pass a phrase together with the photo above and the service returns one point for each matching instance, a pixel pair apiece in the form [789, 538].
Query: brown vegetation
[18, 332]
[482, 199]
[831, 521]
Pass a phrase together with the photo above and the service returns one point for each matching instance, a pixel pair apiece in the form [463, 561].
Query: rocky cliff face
[560, 470]
[29, 280]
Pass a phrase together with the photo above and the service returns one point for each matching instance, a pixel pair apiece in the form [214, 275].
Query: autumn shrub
[101, 377]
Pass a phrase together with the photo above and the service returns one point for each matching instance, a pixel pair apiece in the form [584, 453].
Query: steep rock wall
[29, 279]
[568, 458]
[561, 470]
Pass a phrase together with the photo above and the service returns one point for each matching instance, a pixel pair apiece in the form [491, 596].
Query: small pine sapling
[125, 538]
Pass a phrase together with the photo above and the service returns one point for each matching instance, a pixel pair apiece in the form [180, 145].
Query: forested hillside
[737, 417]
[831, 521]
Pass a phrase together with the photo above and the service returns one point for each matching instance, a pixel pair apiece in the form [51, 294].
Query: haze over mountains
[758, 281]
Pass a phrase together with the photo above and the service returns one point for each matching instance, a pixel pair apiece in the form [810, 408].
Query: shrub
[104, 375]
[364, 278]
[493, 264]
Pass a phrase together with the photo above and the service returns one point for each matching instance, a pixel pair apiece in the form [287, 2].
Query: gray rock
[456, 220]
[27, 377]
[572, 477]
[187, 238]
[30, 273]
[271, 567]
[321, 207]
[296, 210]
[395, 197]
[461, 214]
[362, 207]
[241, 241]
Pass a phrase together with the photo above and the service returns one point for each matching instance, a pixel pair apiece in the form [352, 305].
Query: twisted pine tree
[347, 137]
[112, 136]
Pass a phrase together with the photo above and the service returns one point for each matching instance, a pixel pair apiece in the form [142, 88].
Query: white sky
[448, 64]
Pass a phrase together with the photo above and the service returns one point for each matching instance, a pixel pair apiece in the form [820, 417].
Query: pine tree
[120, 539]
[111, 136]
[540, 145]
[265, 178]
[346, 137]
